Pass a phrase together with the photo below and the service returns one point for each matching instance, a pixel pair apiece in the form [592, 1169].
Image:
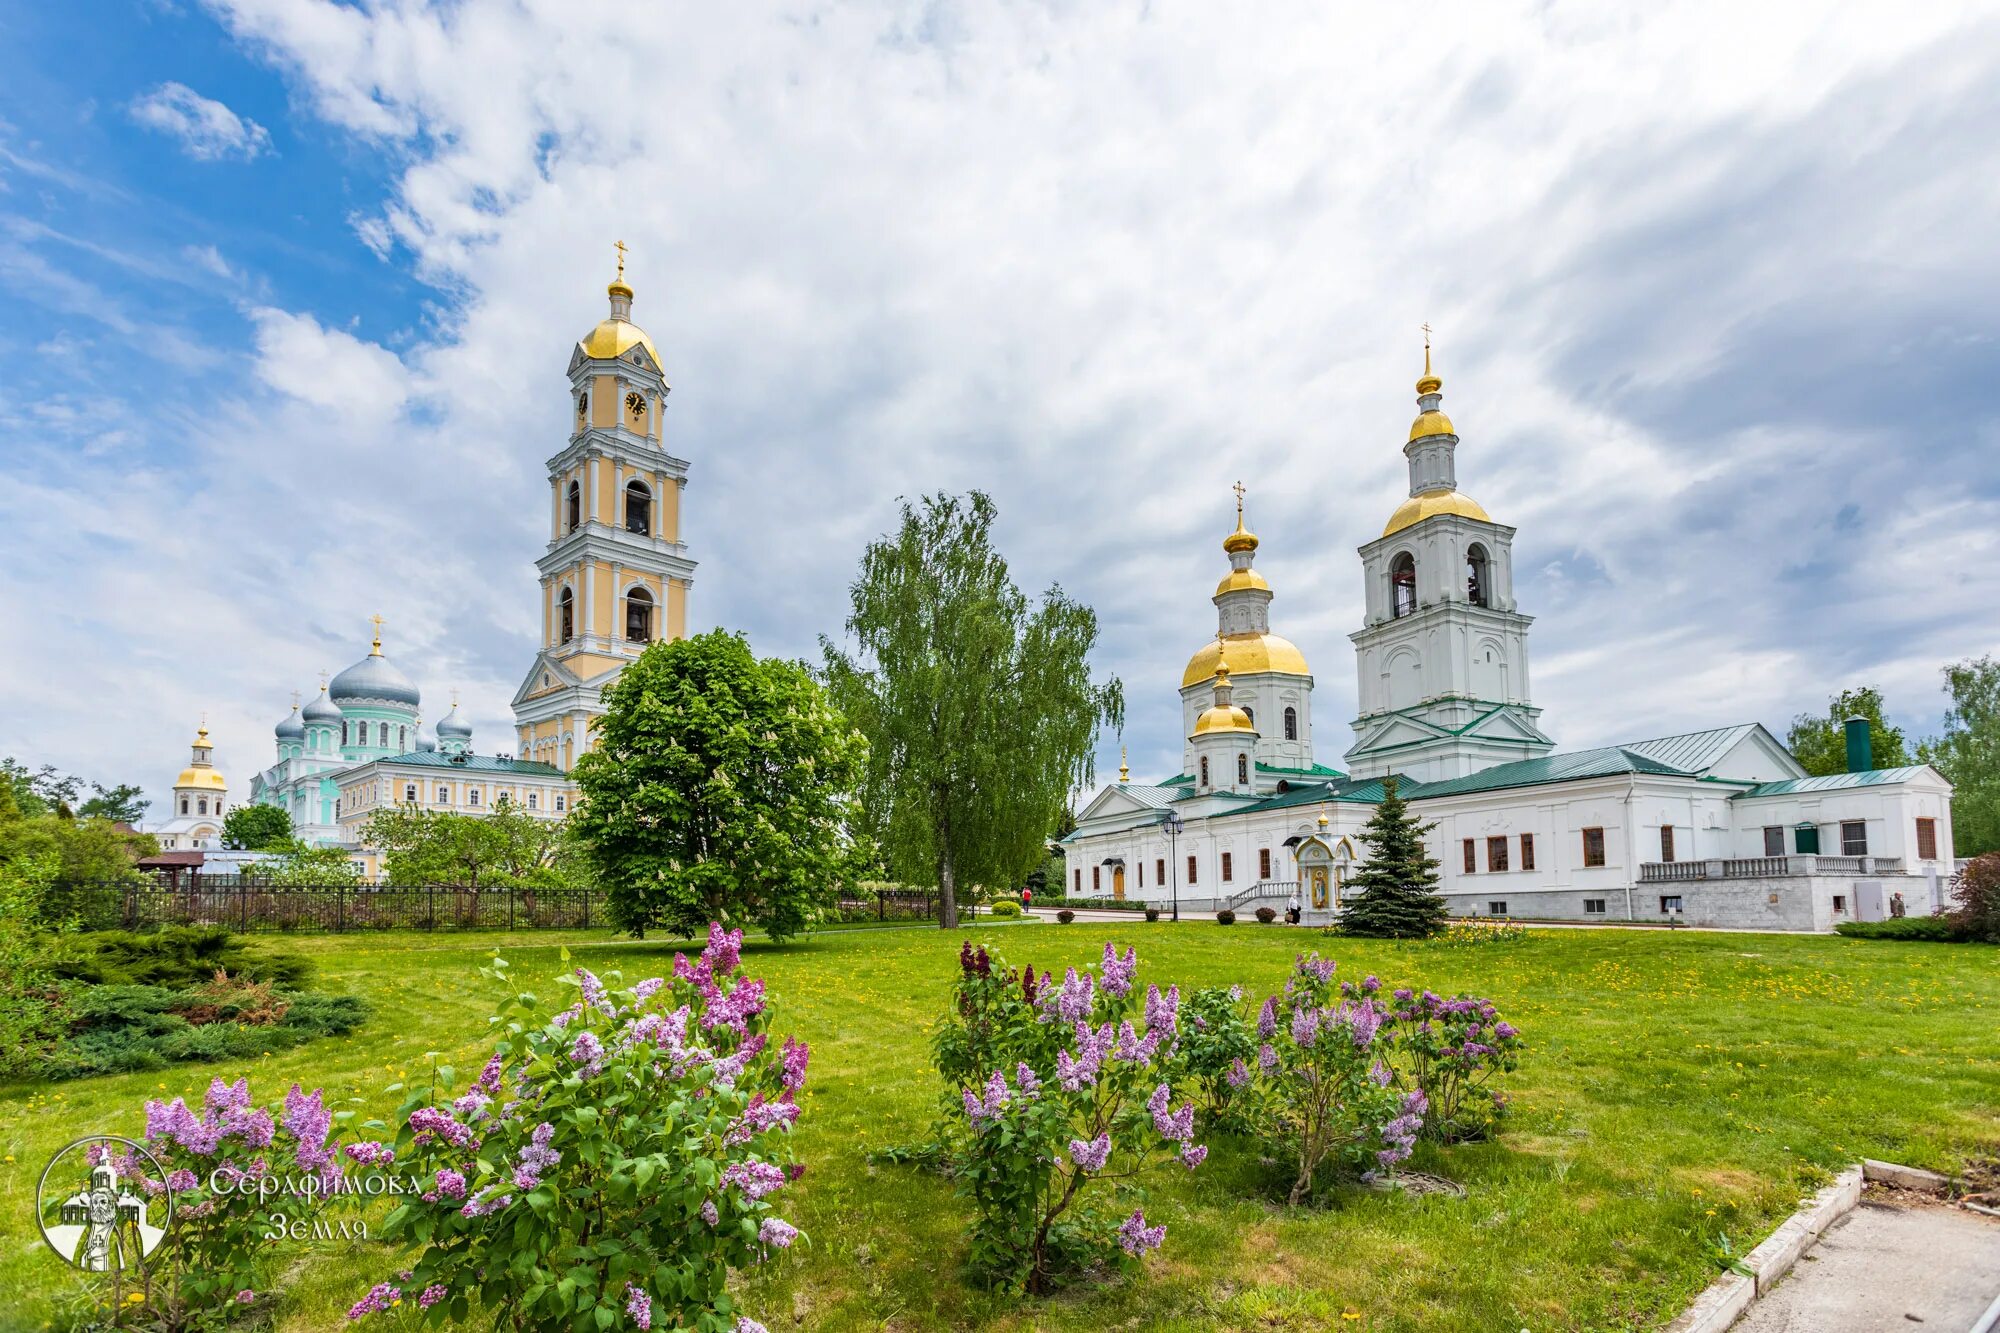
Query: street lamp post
[1173, 825]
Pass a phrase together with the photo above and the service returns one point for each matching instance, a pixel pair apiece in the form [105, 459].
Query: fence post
[431, 895]
[510, 909]
[340, 909]
[242, 906]
[586, 909]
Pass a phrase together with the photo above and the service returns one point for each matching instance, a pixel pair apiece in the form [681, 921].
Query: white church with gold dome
[1720, 826]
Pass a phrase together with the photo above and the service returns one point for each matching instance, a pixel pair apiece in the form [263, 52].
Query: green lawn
[1675, 1088]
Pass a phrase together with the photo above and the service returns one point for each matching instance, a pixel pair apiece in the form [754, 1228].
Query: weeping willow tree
[979, 709]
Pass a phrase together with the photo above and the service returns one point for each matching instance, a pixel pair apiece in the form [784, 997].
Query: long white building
[1716, 827]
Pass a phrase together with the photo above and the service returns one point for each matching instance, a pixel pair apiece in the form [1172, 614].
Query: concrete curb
[1907, 1177]
[1725, 1299]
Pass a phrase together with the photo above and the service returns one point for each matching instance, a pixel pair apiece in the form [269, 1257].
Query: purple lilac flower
[1193, 1155]
[648, 988]
[309, 1121]
[730, 1068]
[1128, 1043]
[449, 1184]
[1136, 1237]
[1163, 1012]
[1179, 1125]
[1024, 1077]
[182, 1180]
[593, 991]
[725, 947]
[1364, 1020]
[1119, 973]
[226, 1097]
[793, 1060]
[980, 1109]
[745, 1324]
[587, 1053]
[1267, 1018]
[431, 1295]
[1305, 1025]
[639, 1305]
[1315, 966]
[376, 1301]
[709, 1213]
[1267, 1057]
[1070, 1002]
[777, 1232]
[370, 1153]
[1381, 1075]
[1504, 1030]
[536, 1158]
[1238, 1075]
[471, 1108]
[1090, 1156]
[483, 1205]
[1236, 995]
[432, 1124]
[754, 1178]
[245, 1296]
[734, 1011]
[759, 1116]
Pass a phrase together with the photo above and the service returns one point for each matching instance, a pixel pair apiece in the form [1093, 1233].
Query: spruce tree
[1395, 891]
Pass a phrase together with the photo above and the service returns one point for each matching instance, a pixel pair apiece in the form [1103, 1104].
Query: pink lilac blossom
[182, 1180]
[709, 1213]
[483, 1205]
[648, 988]
[489, 1077]
[431, 1295]
[432, 1124]
[587, 1054]
[448, 1184]
[760, 1116]
[1090, 1156]
[1136, 1237]
[378, 1299]
[777, 1232]
[754, 1178]
[1119, 973]
[725, 947]
[638, 1305]
[471, 1108]
[245, 1296]
[745, 1324]
[734, 1011]
[1193, 1155]
[370, 1153]
[730, 1068]
[792, 1061]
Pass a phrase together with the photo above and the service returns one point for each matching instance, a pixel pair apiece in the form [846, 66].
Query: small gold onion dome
[1240, 540]
[1323, 821]
[1222, 716]
[1430, 421]
[1430, 383]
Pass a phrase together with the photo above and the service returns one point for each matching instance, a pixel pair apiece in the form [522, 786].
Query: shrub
[31, 1007]
[610, 1163]
[175, 957]
[1975, 912]
[1213, 1056]
[1938, 928]
[1471, 932]
[1005, 909]
[1266, 915]
[1064, 1086]
[1226, 917]
[1065, 916]
[1449, 1049]
[1324, 1087]
[1152, 914]
[121, 1029]
[214, 1260]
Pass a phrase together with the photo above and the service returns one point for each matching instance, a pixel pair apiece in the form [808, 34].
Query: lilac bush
[1324, 1085]
[1064, 1087]
[610, 1164]
[1449, 1049]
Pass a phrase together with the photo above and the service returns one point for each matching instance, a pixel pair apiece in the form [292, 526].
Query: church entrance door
[1118, 883]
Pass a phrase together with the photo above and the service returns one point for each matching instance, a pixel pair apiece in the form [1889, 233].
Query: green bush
[1225, 917]
[122, 1029]
[1937, 928]
[1004, 908]
[174, 957]
[1065, 916]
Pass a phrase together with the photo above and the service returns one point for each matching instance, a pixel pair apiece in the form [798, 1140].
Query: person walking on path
[1292, 908]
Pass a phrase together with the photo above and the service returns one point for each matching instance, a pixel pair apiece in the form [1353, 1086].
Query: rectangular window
[1496, 853]
[1076, 881]
[1666, 842]
[444, 796]
[1840, 902]
[1774, 840]
[1264, 860]
[1191, 872]
[472, 796]
[532, 797]
[1854, 838]
[1096, 879]
[1670, 902]
[561, 801]
[1159, 870]
[1497, 908]
[1227, 873]
[1471, 850]
[1141, 865]
[1593, 907]
[1593, 846]
[1527, 851]
[1927, 840]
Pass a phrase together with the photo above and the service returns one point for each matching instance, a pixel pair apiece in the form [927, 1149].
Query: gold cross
[1427, 337]
[619, 246]
[295, 701]
[1238, 488]
[377, 618]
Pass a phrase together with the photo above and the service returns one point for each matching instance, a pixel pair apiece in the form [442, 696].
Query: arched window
[638, 509]
[1402, 585]
[1476, 589]
[639, 616]
[184, 805]
[383, 734]
[403, 738]
[1204, 770]
[1250, 713]
[1242, 770]
[201, 805]
[565, 617]
[573, 507]
[1291, 724]
[343, 732]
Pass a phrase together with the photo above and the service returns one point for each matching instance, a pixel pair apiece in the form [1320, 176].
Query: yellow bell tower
[615, 576]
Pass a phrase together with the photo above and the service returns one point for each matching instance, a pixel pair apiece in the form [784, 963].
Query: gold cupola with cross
[616, 575]
[1271, 684]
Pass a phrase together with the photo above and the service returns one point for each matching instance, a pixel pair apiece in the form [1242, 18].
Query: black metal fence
[225, 901]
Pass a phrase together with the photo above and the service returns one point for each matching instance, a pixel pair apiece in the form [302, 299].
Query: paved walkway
[1886, 1266]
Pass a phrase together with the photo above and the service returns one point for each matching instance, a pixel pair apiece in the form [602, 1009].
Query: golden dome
[1236, 580]
[1431, 423]
[1429, 383]
[1247, 653]
[197, 776]
[1231, 718]
[1240, 540]
[615, 337]
[1423, 506]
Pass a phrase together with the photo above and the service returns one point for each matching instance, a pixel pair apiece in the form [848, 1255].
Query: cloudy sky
[287, 289]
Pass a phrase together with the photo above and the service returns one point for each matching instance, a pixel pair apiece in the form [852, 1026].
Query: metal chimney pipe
[1860, 748]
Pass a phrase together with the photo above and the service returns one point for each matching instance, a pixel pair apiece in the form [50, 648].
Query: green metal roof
[1316, 771]
[1602, 763]
[477, 763]
[1694, 751]
[1365, 790]
[1877, 777]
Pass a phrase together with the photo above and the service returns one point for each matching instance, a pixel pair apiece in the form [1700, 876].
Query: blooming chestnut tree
[610, 1164]
[1324, 1083]
[1064, 1087]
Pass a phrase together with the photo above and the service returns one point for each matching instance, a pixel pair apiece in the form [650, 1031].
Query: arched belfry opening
[1402, 585]
[1478, 576]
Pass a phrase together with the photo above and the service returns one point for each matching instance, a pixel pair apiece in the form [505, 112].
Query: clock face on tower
[635, 404]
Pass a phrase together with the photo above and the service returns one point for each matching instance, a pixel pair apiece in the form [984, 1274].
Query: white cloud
[208, 130]
[1102, 262]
